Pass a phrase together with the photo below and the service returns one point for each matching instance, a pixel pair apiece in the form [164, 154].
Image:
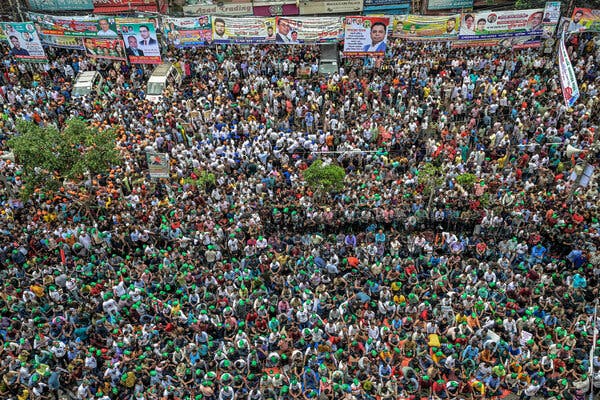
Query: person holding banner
[378, 33]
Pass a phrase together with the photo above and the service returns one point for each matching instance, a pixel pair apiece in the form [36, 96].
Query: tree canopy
[49, 156]
[324, 177]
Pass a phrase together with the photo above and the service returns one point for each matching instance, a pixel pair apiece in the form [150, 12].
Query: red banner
[111, 49]
[116, 6]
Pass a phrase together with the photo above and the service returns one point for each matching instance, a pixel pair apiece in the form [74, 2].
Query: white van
[86, 82]
[329, 62]
[164, 75]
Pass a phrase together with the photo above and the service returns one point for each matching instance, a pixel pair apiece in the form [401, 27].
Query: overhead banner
[188, 32]
[268, 8]
[308, 30]
[24, 41]
[110, 49]
[158, 164]
[61, 5]
[324, 7]
[386, 7]
[126, 6]
[421, 27]
[551, 17]
[568, 81]
[365, 36]
[104, 27]
[221, 9]
[243, 30]
[141, 44]
[449, 4]
[63, 42]
[501, 24]
[552, 13]
[585, 19]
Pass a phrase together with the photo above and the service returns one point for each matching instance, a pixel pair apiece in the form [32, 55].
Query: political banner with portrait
[292, 30]
[188, 32]
[513, 43]
[102, 27]
[24, 41]
[63, 42]
[501, 24]
[551, 13]
[136, 20]
[110, 49]
[158, 164]
[551, 18]
[421, 27]
[585, 19]
[365, 36]
[141, 44]
[521, 42]
[246, 30]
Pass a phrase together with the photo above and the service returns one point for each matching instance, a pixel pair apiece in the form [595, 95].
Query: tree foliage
[324, 177]
[431, 177]
[466, 180]
[49, 156]
[202, 179]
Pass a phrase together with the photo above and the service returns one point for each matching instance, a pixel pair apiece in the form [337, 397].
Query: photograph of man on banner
[283, 31]
[378, 33]
[17, 50]
[133, 49]
[220, 31]
[146, 40]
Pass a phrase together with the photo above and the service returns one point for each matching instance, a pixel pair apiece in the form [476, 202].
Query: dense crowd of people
[459, 262]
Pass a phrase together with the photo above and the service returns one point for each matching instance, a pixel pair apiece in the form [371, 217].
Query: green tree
[431, 176]
[49, 156]
[324, 178]
[466, 180]
[204, 180]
